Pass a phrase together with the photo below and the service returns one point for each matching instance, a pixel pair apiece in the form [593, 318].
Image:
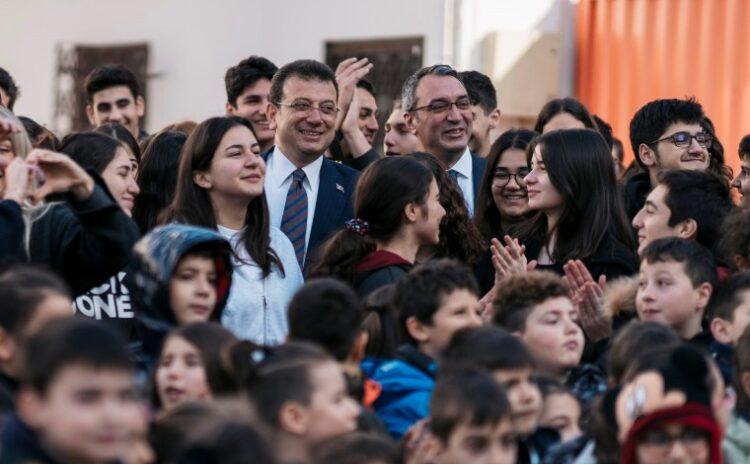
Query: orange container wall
[633, 51]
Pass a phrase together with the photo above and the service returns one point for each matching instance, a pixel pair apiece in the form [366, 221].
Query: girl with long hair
[564, 113]
[397, 211]
[220, 186]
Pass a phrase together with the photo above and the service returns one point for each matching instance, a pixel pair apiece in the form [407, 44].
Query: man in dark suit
[309, 196]
[439, 111]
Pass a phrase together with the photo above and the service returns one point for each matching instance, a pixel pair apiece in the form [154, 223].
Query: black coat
[85, 242]
[11, 231]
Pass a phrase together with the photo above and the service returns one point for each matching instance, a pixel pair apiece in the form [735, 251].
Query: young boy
[114, 95]
[742, 181]
[675, 283]
[434, 301]
[470, 419]
[729, 316]
[77, 401]
[29, 298]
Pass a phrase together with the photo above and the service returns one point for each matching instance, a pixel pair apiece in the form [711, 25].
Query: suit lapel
[329, 206]
[478, 165]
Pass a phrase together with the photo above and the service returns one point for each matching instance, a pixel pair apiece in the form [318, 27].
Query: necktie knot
[298, 176]
[454, 175]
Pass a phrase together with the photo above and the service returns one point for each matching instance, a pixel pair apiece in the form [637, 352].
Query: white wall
[193, 43]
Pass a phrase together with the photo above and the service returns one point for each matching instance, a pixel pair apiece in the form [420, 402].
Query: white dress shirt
[465, 179]
[278, 179]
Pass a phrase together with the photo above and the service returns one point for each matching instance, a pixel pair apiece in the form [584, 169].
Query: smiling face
[304, 136]
[192, 289]
[252, 105]
[368, 114]
[553, 336]
[180, 374]
[666, 295]
[543, 196]
[665, 156]
[444, 135]
[119, 176]
[741, 182]
[510, 198]
[237, 169]
[116, 105]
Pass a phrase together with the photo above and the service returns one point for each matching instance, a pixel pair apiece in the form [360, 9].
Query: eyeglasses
[304, 108]
[661, 441]
[684, 139]
[502, 178]
[442, 106]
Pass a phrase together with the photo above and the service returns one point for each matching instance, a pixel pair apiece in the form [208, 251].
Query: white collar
[282, 169]
[463, 165]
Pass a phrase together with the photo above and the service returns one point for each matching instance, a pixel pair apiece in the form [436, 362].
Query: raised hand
[509, 259]
[18, 176]
[589, 301]
[7, 127]
[348, 73]
[576, 274]
[61, 174]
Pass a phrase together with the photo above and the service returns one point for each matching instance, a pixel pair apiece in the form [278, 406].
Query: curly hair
[459, 237]
[520, 293]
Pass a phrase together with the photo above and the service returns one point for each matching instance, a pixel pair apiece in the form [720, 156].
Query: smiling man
[439, 111]
[247, 86]
[309, 196]
[666, 134]
[114, 95]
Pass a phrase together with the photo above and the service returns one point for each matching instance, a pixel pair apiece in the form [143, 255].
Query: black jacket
[11, 231]
[19, 444]
[378, 269]
[635, 191]
[363, 161]
[85, 242]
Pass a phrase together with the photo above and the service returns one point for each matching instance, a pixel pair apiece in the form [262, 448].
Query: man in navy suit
[309, 196]
[439, 111]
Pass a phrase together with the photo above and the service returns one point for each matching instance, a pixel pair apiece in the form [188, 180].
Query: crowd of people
[267, 286]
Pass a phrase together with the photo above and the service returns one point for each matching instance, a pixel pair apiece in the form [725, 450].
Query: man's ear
[417, 330]
[90, 115]
[494, 119]
[741, 263]
[720, 331]
[704, 294]
[229, 108]
[411, 120]
[648, 155]
[140, 106]
[294, 418]
[8, 346]
[687, 229]
[30, 408]
[202, 179]
[271, 112]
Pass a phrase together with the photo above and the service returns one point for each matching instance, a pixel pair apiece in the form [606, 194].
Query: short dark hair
[653, 118]
[605, 129]
[636, 338]
[409, 90]
[66, 342]
[735, 237]
[480, 89]
[367, 85]
[744, 149]
[306, 70]
[698, 262]
[518, 295]
[422, 291]
[466, 396]
[246, 73]
[110, 75]
[726, 298]
[698, 195]
[9, 86]
[22, 289]
[327, 312]
[488, 347]
[357, 448]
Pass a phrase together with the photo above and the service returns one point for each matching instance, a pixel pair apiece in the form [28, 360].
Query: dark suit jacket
[334, 205]
[478, 165]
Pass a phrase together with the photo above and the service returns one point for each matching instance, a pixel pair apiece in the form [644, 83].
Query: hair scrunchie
[358, 226]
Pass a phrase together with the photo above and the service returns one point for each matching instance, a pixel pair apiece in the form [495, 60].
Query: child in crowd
[77, 401]
[190, 366]
[736, 445]
[299, 391]
[729, 316]
[675, 283]
[735, 238]
[179, 274]
[29, 298]
[434, 300]
[470, 419]
[357, 448]
[561, 411]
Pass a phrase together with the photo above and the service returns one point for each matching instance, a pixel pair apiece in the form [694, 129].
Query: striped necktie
[294, 221]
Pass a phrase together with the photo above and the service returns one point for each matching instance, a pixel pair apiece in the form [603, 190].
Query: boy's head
[78, 391]
[663, 135]
[435, 300]
[562, 410]
[328, 312]
[357, 448]
[742, 372]
[29, 298]
[470, 418]
[114, 95]
[670, 209]
[537, 308]
[634, 339]
[742, 181]
[510, 363]
[247, 85]
[735, 239]
[674, 284]
[729, 308]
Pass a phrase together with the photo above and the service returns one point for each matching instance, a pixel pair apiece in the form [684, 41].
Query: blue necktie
[294, 220]
[454, 175]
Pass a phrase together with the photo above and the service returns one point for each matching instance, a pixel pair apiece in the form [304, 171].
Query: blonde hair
[20, 140]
